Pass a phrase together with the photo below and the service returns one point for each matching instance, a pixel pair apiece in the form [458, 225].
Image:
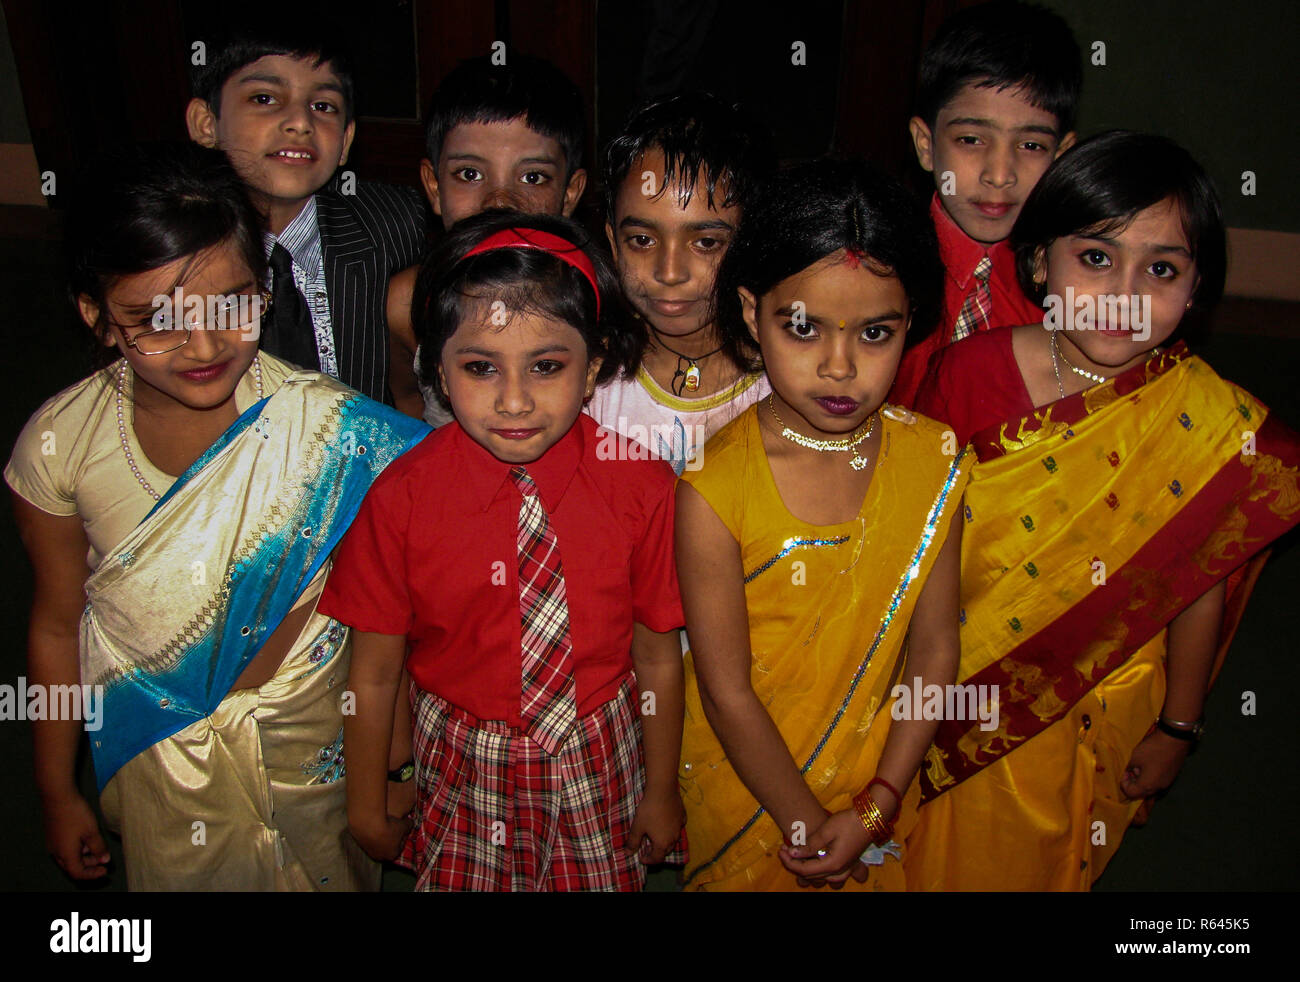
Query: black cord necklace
[687, 378]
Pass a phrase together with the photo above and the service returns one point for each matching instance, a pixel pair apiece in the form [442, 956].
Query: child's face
[1150, 260]
[500, 165]
[988, 149]
[281, 124]
[667, 253]
[832, 361]
[516, 388]
[202, 373]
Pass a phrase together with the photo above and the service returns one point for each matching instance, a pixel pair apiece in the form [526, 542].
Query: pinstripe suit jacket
[366, 237]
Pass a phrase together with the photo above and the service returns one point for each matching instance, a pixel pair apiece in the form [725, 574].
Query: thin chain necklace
[844, 445]
[1090, 376]
[121, 423]
[1056, 364]
[690, 375]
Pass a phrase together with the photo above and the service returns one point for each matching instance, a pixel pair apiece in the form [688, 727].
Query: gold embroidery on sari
[1030, 684]
[1269, 475]
[289, 499]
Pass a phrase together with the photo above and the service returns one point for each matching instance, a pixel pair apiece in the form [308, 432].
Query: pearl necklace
[1090, 376]
[121, 423]
[843, 445]
[1057, 358]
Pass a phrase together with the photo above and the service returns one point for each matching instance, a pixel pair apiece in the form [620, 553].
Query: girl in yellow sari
[1119, 483]
[814, 546]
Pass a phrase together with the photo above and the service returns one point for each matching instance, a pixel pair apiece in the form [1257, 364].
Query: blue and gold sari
[214, 789]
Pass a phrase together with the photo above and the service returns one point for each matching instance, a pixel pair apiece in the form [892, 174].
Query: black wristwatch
[403, 773]
[1191, 732]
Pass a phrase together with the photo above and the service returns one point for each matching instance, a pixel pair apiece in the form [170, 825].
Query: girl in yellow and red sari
[1119, 483]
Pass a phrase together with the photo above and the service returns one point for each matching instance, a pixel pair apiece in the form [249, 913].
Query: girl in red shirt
[522, 568]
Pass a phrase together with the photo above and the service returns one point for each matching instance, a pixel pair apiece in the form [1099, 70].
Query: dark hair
[529, 281]
[264, 33]
[813, 210]
[478, 91]
[699, 136]
[141, 207]
[1003, 45]
[1099, 186]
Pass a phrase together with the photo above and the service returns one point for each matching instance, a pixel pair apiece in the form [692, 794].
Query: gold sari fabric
[251, 797]
[1089, 526]
[828, 609]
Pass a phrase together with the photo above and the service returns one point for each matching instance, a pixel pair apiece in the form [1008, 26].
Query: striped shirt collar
[301, 237]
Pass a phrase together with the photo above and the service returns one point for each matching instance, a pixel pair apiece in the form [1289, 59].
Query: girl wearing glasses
[179, 507]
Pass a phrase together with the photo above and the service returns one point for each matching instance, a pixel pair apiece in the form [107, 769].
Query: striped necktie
[548, 704]
[975, 312]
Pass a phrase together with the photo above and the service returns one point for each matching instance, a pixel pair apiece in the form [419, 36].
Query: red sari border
[1171, 570]
[991, 442]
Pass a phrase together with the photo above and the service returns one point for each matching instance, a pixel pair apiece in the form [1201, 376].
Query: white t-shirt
[674, 428]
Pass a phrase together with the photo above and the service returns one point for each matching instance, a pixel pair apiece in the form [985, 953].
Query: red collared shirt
[974, 385]
[432, 555]
[961, 254]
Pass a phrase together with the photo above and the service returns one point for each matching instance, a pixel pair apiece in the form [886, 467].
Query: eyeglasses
[241, 312]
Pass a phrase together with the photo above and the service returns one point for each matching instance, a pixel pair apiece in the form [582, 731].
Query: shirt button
[1087, 721]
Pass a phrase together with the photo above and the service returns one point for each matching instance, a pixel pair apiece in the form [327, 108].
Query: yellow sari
[828, 608]
[1090, 525]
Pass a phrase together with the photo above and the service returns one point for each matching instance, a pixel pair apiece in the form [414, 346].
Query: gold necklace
[844, 445]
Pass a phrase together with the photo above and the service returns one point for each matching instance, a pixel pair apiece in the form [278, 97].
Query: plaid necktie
[549, 703]
[975, 312]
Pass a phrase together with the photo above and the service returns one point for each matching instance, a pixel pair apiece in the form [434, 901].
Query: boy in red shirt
[996, 103]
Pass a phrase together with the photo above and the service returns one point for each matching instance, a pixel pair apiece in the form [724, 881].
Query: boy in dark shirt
[279, 103]
[498, 136]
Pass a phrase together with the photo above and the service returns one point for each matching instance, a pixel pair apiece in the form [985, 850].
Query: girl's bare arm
[713, 595]
[57, 547]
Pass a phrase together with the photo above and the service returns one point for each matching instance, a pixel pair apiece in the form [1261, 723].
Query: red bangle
[891, 789]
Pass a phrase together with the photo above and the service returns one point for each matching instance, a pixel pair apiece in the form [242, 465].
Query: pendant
[858, 463]
[692, 377]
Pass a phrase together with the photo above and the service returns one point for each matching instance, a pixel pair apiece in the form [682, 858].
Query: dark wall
[1217, 77]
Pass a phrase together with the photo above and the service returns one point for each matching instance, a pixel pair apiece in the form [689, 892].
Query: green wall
[1218, 77]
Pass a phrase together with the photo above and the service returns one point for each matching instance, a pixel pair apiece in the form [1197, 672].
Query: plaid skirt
[496, 812]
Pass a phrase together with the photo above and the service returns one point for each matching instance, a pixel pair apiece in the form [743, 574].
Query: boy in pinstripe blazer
[279, 103]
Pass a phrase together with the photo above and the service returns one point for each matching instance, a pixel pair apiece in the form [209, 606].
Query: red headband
[531, 238]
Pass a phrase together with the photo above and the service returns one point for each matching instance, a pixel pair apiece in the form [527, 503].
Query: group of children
[895, 480]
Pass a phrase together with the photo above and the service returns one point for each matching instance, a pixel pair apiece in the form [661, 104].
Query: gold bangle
[872, 818]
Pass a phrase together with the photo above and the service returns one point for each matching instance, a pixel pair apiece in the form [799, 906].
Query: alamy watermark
[52, 702]
[680, 445]
[944, 702]
[215, 311]
[1081, 313]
